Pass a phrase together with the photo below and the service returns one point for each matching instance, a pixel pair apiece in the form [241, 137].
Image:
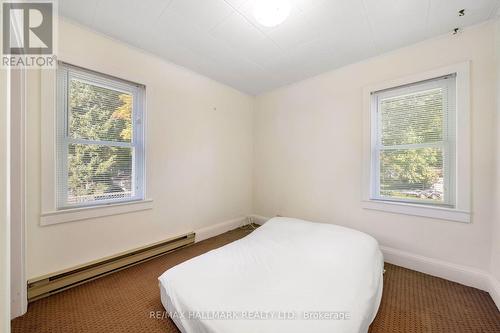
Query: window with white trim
[100, 146]
[413, 143]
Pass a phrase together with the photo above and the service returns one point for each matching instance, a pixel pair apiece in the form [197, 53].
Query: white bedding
[276, 279]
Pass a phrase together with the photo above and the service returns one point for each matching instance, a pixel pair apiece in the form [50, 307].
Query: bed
[289, 275]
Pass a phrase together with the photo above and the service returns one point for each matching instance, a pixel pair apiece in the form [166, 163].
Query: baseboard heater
[47, 285]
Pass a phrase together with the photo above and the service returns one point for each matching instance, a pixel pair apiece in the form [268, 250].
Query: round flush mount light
[270, 13]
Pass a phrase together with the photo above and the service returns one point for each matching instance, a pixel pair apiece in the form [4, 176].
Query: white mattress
[277, 279]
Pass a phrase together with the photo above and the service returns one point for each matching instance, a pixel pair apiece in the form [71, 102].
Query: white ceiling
[222, 40]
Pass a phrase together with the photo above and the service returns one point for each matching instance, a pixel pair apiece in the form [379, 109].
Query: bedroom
[169, 128]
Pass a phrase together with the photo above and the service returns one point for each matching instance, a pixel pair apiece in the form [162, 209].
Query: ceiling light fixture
[270, 13]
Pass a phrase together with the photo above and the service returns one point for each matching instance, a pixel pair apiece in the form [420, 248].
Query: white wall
[199, 156]
[303, 145]
[308, 150]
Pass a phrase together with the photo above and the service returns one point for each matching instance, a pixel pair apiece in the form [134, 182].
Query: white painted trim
[19, 297]
[50, 214]
[65, 74]
[84, 213]
[441, 213]
[5, 114]
[463, 144]
[48, 139]
[466, 275]
[494, 290]
[220, 228]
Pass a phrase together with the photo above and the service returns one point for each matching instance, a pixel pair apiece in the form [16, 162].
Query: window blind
[414, 148]
[100, 152]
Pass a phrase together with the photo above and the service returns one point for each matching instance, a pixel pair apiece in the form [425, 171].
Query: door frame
[18, 281]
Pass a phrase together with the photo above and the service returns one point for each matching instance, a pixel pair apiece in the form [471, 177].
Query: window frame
[66, 73]
[461, 210]
[447, 144]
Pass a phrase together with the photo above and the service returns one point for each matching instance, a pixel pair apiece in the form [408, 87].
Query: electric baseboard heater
[49, 284]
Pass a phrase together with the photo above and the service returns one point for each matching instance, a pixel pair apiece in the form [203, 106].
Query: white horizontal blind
[100, 139]
[414, 148]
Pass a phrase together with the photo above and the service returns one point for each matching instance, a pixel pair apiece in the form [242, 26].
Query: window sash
[447, 145]
[65, 74]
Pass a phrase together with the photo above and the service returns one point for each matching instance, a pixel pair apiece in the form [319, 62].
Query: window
[100, 146]
[414, 143]
[417, 145]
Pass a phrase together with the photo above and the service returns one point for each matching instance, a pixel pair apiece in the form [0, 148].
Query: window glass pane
[97, 113]
[413, 118]
[98, 172]
[415, 174]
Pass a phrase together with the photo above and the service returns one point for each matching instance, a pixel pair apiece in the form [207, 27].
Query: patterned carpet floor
[127, 301]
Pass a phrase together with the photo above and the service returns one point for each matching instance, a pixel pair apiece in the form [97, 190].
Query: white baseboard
[495, 290]
[220, 228]
[19, 304]
[465, 275]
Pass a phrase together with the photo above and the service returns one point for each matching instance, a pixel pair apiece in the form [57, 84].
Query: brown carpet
[123, 302]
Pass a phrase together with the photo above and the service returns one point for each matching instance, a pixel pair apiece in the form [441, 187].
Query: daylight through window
[413, 144]
[100, 145]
